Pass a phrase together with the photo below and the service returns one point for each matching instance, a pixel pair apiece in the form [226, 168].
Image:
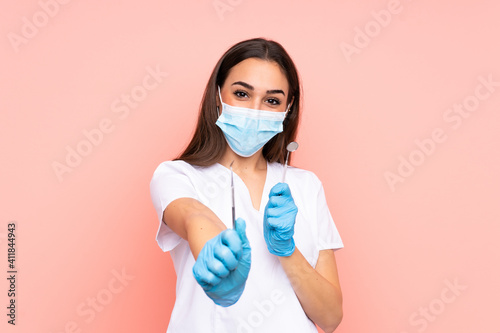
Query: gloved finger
[272, 222]
[204, 277]
[286, 214]
[273, 212]
[276, 201]
[226, 256]
[217, 268]
[240, 226]
[279, 224]
[231, 239]
[282, 234]
[280, 189]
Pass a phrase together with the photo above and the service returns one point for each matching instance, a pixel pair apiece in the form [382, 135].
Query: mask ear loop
[287, 110]
[220, 99]
[286, 114]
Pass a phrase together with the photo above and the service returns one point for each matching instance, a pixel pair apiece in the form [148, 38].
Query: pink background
[405, 244]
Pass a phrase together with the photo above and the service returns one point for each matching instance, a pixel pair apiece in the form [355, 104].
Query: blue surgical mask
[247, 130]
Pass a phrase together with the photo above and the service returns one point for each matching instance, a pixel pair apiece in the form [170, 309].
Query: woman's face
[256, 84]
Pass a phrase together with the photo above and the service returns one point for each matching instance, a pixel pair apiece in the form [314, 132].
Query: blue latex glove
[279, 221]
[223, 264]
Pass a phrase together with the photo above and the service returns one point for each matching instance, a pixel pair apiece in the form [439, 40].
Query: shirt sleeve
[329, 237]
[170, 181]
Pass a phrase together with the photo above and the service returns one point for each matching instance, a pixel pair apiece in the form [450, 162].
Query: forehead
[262, 74]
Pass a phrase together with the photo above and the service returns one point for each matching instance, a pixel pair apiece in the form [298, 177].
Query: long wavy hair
[208, 143]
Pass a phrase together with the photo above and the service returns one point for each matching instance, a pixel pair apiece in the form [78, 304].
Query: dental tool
[232, 193]
[291, 147]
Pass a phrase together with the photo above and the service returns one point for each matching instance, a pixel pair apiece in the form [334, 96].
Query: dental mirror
[291, 147]
[232, 193]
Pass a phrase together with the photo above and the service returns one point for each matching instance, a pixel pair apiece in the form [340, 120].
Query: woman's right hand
[223, 264]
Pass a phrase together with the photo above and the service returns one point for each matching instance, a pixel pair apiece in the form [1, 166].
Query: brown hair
[208, 143]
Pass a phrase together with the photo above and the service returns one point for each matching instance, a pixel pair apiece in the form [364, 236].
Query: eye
[240, 94]
[273, 101]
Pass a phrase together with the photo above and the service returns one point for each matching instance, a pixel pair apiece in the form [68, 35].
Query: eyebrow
[246, 85]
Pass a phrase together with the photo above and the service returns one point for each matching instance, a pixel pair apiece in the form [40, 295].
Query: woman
[275, 271]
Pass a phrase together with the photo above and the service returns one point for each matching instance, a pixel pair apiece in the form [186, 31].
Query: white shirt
[268, 303]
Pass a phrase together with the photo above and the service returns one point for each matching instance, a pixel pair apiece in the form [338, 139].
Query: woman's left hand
[279, 221]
